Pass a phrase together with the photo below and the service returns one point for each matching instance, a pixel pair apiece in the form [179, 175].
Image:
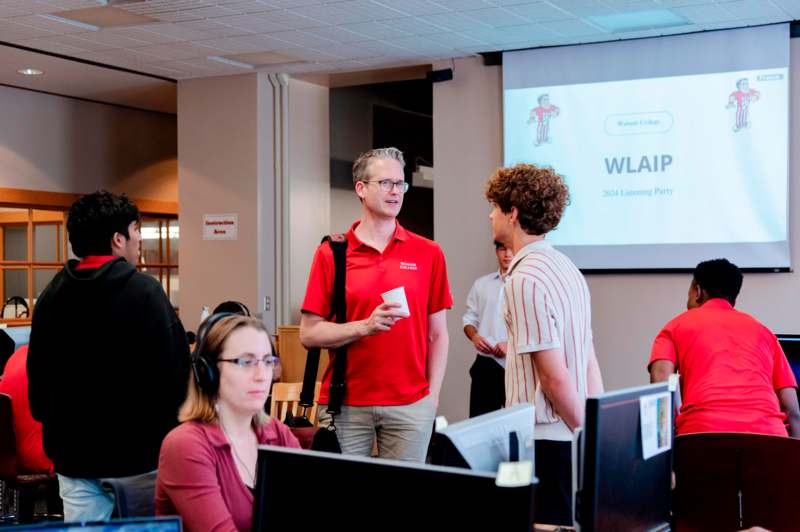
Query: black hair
[719, 278]
[94, 218]
[234, 307]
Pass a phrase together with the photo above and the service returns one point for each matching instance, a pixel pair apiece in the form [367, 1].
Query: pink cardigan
[198, 479]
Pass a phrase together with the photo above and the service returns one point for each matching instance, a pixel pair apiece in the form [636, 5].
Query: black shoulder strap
[337, 387]
[338, 244]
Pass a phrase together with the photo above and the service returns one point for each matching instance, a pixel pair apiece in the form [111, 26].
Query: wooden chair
[26, 486]
[285, 398]
[733, 481]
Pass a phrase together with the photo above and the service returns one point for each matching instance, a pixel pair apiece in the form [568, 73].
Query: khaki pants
[402, 432]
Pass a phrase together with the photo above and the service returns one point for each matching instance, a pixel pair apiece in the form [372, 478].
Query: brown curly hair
[539, 194]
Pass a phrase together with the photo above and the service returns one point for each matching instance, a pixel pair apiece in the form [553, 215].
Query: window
[34, 247]
[159, 256]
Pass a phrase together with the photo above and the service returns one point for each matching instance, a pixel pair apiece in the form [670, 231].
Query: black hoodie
[108, 367]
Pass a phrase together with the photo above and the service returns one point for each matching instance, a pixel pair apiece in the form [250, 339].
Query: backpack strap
[338, 244]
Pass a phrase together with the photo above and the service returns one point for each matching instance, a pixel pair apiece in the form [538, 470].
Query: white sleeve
[471, 315]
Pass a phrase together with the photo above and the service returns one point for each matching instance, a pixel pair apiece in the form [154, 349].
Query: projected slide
[693, 160]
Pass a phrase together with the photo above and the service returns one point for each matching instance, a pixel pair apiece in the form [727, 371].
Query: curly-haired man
[550, 354]
[108, 360]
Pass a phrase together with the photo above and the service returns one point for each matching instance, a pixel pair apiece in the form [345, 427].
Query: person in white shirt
[551, 360]
[485, 328]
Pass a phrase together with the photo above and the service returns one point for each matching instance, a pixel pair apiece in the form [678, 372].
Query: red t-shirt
[731, 366]
[27, 431]
[387, 368]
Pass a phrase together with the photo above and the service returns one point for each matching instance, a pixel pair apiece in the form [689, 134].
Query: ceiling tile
[573, 28]
[790, 7]
[413, 26]
[750, 9]
[496, 17]
[540, 12]
[456, 22]
[301, 38]
[370, 30]
[414, 7]
[706, 13]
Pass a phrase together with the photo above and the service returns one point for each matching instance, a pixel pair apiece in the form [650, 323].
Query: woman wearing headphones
[207, 466]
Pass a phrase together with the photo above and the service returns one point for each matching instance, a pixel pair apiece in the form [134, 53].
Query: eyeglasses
[250, 361]
[387, 185]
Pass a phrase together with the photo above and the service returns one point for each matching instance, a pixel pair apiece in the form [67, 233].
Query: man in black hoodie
[108, 362]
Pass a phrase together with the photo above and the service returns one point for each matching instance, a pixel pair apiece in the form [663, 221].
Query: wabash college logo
[408, 266]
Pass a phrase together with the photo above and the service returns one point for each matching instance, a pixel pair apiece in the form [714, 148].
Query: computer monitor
[136, 524]
[790, 343]
[310, 490]
[481, 443]
[619, 489]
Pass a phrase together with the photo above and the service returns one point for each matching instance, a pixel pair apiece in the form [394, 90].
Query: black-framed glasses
[250, 361]
[387, 185]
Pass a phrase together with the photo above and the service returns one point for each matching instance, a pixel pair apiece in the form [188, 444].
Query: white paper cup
[397, 295]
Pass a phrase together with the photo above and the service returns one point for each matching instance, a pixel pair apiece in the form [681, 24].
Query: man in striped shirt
[550, 355]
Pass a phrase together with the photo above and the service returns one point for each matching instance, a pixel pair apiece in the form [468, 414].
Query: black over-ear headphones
[206, 373]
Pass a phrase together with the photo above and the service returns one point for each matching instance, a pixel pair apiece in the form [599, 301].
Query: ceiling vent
[97, 18]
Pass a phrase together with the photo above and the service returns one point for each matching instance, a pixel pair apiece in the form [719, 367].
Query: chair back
[133, 496]
[286, 398]
[8, 445]
[733, 481]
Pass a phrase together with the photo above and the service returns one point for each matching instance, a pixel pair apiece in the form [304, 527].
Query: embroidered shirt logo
[408, 265]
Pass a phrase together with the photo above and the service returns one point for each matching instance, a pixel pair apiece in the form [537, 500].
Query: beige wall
[224, 125]
[627, 310]
[309, 181]
[227, 165]
[61, 144]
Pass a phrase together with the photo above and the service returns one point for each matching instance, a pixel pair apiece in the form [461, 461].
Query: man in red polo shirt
[395, 361]
[734, 375]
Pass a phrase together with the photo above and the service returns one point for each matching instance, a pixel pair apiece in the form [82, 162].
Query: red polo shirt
[731, 366]
[27, 431]
[387, 368]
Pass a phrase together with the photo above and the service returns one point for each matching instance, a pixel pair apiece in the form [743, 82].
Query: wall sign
[220, 226]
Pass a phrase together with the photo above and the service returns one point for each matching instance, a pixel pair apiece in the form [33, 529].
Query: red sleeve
[319, 290]
[782, 374]
[187, 476]
[664, 347]
[440, 297]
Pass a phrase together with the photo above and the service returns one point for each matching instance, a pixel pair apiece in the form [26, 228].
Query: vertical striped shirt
[547, 306]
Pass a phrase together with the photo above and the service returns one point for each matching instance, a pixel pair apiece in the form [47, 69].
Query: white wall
[60, 144]
[309, 182]
[345, 209]
[627, 310]
[222, 135]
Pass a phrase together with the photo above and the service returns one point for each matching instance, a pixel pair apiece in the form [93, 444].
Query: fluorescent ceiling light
[71, 22]
[251, 60]
[225, 60]
[96, 18]
[639, 20]
[30, 72]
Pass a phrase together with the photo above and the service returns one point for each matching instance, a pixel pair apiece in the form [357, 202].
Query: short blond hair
[199, 405]
[361, 166]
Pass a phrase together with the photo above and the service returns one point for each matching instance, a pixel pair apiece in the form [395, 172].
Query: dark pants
[554, 492]
[487, 392]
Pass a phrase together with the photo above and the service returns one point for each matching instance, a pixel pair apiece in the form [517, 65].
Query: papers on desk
[655, 413]
[514, 474]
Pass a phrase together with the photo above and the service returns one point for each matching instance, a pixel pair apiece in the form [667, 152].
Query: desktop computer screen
[790, 343]
[483, 442]
[136, 524]
[623, 485]
[305, 490]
